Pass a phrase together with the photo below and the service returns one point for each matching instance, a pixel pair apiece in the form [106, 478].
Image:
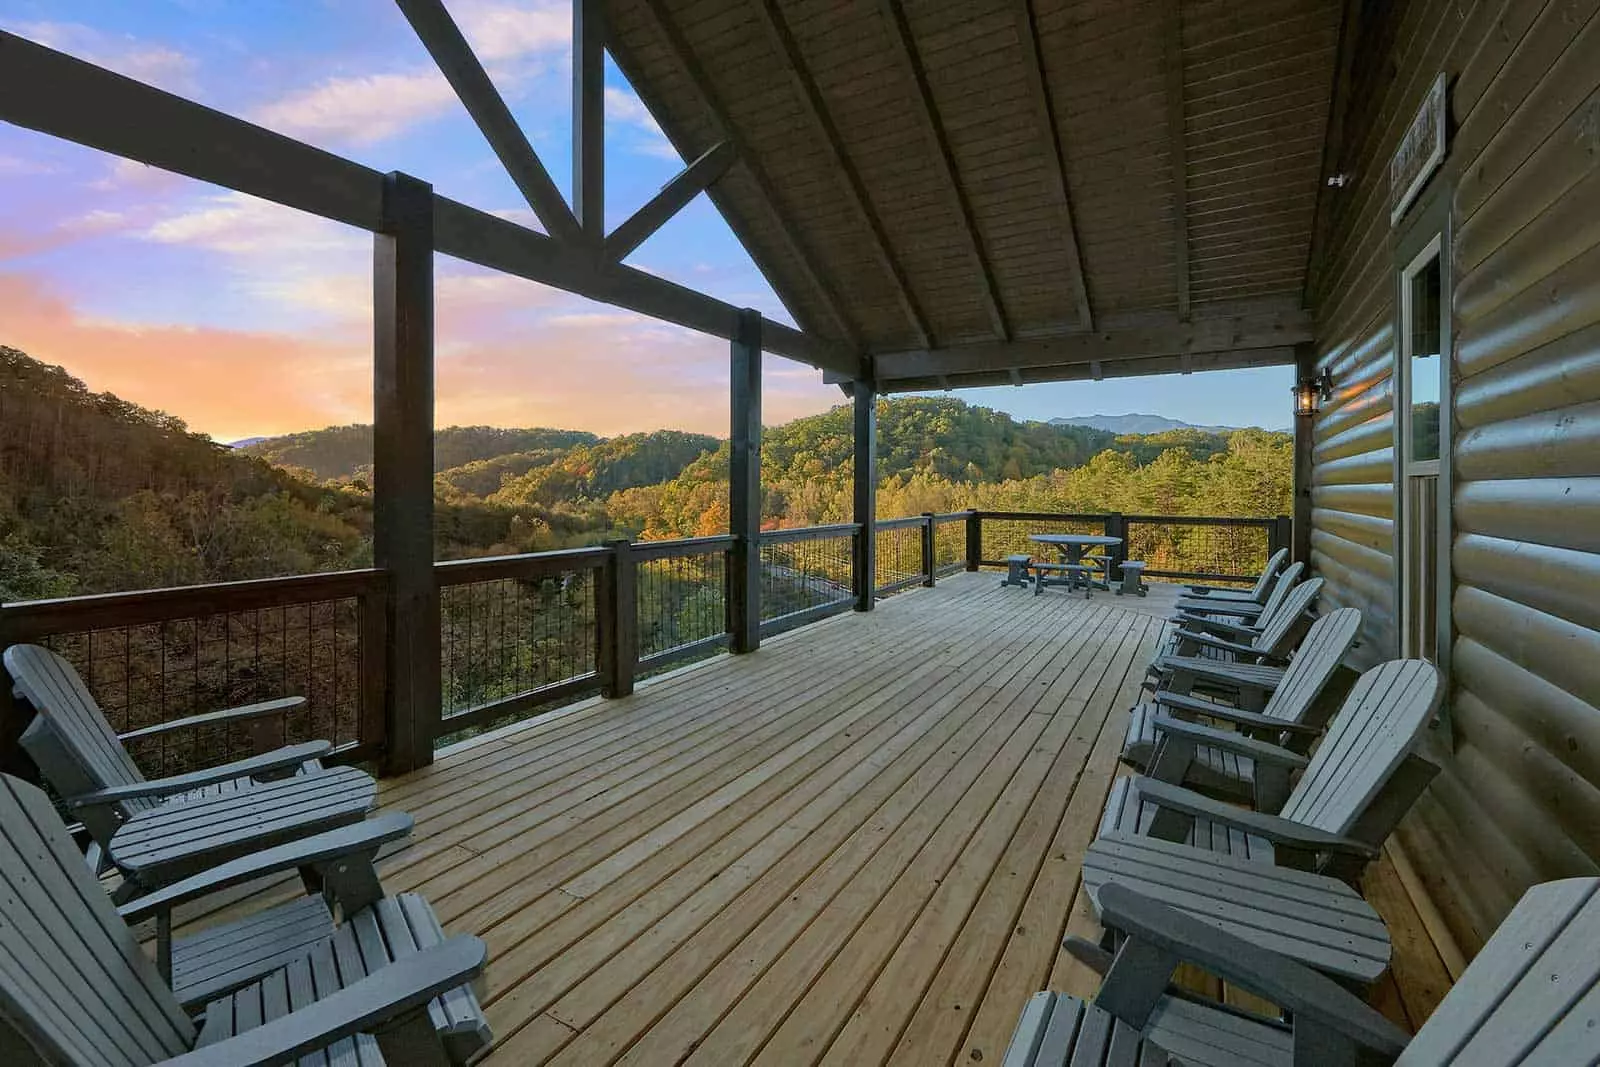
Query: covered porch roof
[978, 194]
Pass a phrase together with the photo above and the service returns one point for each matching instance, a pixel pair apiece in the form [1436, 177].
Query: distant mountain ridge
[1136, 423]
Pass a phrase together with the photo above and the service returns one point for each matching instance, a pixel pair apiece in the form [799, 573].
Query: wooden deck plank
[860, 844]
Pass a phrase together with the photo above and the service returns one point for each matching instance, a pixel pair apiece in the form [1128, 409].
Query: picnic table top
[1074, 539]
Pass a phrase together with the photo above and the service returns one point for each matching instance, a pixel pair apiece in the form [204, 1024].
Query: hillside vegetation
[97, 494]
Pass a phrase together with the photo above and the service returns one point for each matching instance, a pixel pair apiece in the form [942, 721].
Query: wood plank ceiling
[954, 188]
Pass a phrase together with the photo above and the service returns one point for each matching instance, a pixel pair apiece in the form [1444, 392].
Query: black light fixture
[1309, 393]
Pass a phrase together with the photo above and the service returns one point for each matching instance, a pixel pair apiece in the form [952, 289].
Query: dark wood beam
[1233, 333]
[864, 480]
[744, 484]
[1305, 366]
[92, 106]
[820, 282]
[815, 109]
[589, 119]
[1177, 146]
[690, 182]
[1056, 160]
[455, 59]
[903, 44]
[1232, 359]
[402, 469]
[1333, 146]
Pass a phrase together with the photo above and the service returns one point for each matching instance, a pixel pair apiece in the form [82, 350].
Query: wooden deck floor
[858, 845]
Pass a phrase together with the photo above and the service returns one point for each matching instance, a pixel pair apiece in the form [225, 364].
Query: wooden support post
[744, 485]
[1299, 545]
[618, 620]
[588, 119]
[974, 538]
[402, 469]
[1282, 535]
[864, 567]
[930, 550]
[1117, 526]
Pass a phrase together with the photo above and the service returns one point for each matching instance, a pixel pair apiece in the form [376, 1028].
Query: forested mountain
[345, 452]
[1136, 423]
[97, 494]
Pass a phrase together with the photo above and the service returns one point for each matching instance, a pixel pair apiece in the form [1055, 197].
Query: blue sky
[242, 317]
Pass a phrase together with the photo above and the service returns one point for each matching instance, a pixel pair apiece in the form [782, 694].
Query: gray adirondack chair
[219, 961]
[1252, 671]
[1528, 997]
[157, 831]
[1292, 718]
[1257, 593]
[1191, 609]
[75, 987]
[1350, 794]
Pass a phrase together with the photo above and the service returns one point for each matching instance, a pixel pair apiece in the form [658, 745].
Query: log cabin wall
[1518, 797]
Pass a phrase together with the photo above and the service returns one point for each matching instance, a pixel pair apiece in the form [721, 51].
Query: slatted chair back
[1529, 995]
[1281, 587]
[74, 984]
[1279, 633]
[69, 739]
[1268, 573]
[1386, 711]
[1319, 655]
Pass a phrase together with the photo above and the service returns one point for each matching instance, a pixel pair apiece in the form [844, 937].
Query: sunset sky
[245, 318]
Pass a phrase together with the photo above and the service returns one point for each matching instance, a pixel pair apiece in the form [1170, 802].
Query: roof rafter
[816, 112]
[905, 50]
[1177, 146]
[460, 67]
[712, 102]
[1050, 133]
[689, 183]
[588, 119]
[1109, 348]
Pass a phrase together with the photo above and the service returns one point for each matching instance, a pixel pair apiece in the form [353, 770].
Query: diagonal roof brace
[460, 67]
[690, 182]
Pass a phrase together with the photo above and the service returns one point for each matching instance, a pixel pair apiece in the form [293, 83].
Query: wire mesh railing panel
[949, 544]
[898, 557]
[1225, 552]
[1003, 537]
[682, 601]
[155, 670]
[800, 575]
[506, 637]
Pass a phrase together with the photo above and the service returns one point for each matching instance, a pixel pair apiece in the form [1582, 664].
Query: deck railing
[523, 632]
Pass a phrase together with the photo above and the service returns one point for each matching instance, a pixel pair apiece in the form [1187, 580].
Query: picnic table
[1071, 547]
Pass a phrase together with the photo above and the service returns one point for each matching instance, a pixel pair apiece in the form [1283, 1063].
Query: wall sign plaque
[1420, 152]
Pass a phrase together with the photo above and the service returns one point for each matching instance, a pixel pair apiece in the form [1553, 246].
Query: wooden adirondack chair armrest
[1216, 672]
[319, 848]
[400, 987]
[1230, 741]
[1278, 831]
[1238, 717]
[1291, 986]
[1228, 631]
[290, 756]
[1209, 641]
[243, 713]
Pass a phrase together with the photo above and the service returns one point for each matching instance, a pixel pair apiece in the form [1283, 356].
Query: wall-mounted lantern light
[1309, 393]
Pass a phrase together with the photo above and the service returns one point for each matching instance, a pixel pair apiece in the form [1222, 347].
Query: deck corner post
[617, 617]
[402, 470]
[864, 564]
[1298, 539]
[744, 485]
[930, 551]
[974, 538]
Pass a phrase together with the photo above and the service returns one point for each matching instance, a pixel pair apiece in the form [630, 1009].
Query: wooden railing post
[864, 563]
[974, 538]
[617, 617]
[372, 652]
[930, 550]
[1280, 534]
[1117, 526]
[744, 485]
[402, 469]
